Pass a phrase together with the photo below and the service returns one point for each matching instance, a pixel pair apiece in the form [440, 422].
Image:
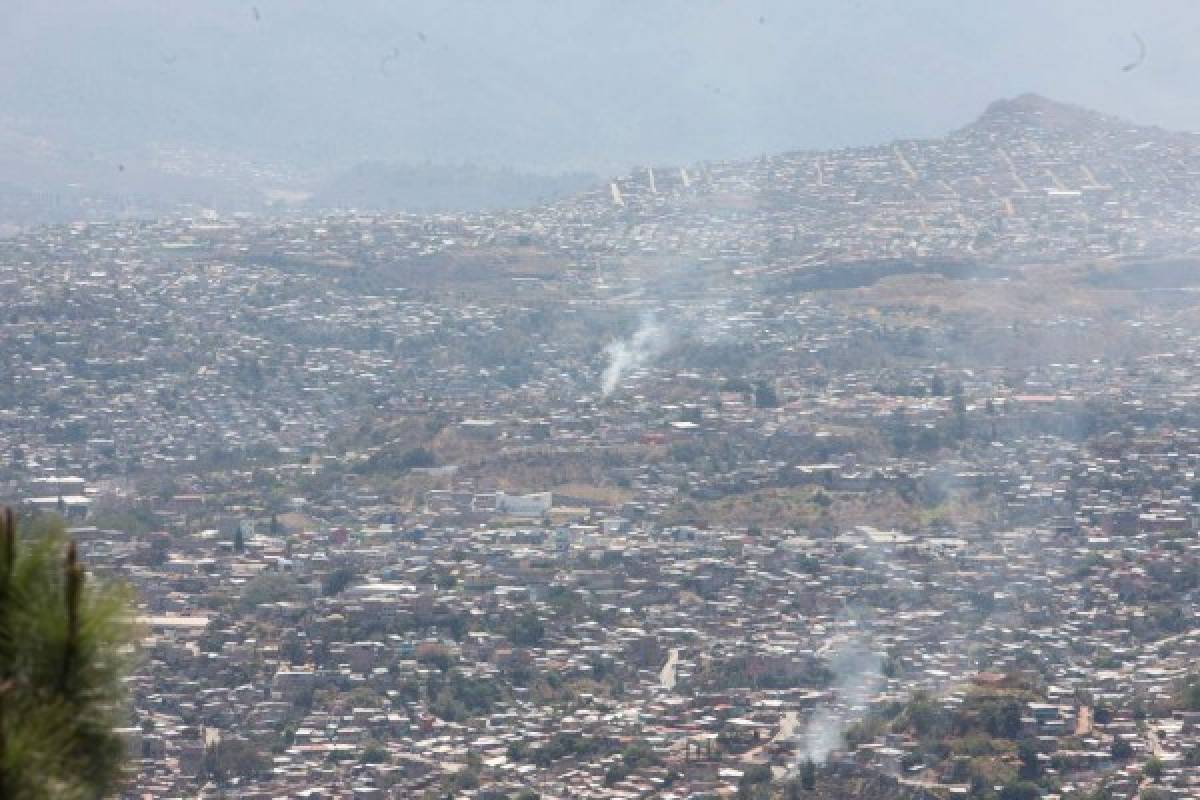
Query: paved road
[1155, 745]
[788, 723]
[1083, 725]
[667, 676]
[1152, 647]
[1155, 750]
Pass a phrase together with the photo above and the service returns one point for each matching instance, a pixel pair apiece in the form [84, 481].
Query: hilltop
[1029, 180]
[1031, 109]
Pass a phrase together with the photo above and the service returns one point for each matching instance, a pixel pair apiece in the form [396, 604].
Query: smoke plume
[647, 343]
[858, 675]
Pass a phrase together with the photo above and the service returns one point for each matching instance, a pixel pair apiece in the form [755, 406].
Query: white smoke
[858, 676]
[647, 343]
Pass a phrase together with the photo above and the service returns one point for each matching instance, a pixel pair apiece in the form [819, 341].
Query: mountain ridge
[54, 184]
[381, 185]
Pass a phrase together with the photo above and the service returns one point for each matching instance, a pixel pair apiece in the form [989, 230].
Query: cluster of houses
[414, 507]
[668, 659]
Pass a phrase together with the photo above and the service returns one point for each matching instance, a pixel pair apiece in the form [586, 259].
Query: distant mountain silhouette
[401, 187]
[47, 182]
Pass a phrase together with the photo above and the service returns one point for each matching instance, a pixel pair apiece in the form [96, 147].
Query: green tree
[754, 776]
[1121, 750]
[527, 630]
[808, 775]
[268, 587]
[1190, 696]
[1028, 754]
[1020, 790]
[374, 753]
[234, 758]
[336, 580]
[765, 395]
[64, 651]
[1154, 769]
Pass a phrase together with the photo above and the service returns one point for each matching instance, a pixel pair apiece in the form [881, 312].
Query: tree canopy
[65, 645]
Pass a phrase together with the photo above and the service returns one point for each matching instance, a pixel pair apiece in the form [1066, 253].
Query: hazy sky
[555, 84]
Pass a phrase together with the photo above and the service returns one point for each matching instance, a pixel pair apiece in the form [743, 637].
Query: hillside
[1029, 180]
[430, 187]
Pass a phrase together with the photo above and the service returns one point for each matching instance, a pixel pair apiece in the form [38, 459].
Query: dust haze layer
[144, 100]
